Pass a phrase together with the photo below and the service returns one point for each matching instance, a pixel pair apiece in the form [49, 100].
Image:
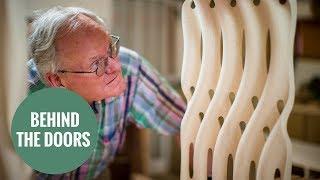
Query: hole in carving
[233, 3]
[209, 163]
[280, 106]
[254, 101]
[193, 5]
[212, 4]
[192, 89]
[256, 2]
[231, 97]
[268, 48]
[191, 160]
[277, 174]
[221, 120]
[282, 1]
[266, 132]
[201, 115]
[252, 172]
[243, 49]
[230, 167]
[211, 93]
[242, 126]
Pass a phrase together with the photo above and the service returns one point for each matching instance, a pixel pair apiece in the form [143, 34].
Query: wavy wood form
[241, 92]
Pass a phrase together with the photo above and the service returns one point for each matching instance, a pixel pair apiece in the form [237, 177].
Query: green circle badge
[54, 130]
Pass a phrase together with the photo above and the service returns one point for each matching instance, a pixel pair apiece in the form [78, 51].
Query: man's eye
[94, 66]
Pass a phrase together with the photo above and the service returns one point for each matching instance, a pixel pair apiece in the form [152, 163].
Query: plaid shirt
[148, 102]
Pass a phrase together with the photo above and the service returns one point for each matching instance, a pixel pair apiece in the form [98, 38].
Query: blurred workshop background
[153, 28]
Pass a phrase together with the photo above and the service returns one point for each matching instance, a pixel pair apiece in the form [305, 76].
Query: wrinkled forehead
[81, 28]
[86, 40]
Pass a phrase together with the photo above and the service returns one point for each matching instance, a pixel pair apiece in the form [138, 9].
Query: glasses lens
[101, 69]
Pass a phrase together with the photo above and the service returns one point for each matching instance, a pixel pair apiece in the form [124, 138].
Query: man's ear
[53, 80]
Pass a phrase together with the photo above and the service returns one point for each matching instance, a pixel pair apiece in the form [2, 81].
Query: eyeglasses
[101, 65]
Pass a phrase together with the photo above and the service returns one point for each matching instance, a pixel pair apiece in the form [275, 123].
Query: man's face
[78, 51]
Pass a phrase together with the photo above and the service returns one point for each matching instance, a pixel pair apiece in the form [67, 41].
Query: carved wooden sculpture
[191, 59]
[243, 132]
[208, 77]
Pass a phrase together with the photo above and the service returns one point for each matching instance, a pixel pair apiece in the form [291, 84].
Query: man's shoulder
[34, 81]
[130, 61]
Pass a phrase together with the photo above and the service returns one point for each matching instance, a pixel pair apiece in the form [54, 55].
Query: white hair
[45, 28]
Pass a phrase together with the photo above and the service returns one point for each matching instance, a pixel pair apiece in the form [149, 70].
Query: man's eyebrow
[95, 58]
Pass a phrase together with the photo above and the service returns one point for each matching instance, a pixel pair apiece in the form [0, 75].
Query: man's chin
[120, 88]
[117, 91]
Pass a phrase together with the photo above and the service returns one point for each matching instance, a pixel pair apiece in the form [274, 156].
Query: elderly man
[71, 48]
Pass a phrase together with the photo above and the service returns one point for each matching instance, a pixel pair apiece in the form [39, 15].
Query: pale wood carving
[244, 123]
[207, 79]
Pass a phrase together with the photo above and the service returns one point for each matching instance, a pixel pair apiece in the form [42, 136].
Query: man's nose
[113, 65]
